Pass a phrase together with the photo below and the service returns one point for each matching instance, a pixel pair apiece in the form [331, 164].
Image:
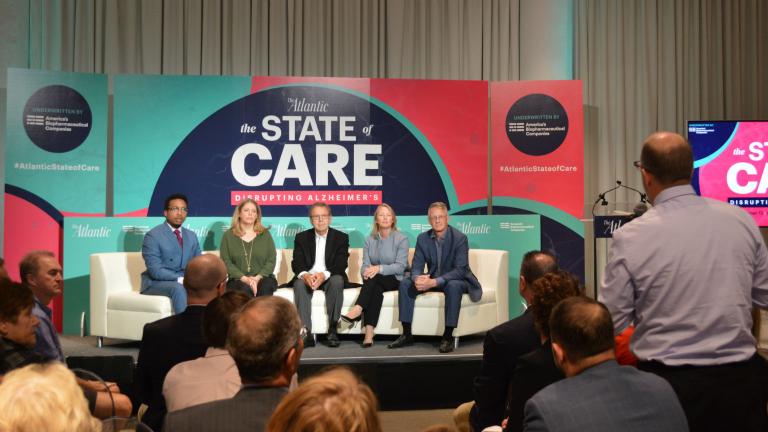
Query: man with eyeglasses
[320, 256]
[167, 249]
[687, 274]
[445, 252]
[177, 338]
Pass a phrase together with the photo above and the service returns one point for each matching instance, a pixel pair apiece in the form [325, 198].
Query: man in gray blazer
[266, 341]
[598, 394]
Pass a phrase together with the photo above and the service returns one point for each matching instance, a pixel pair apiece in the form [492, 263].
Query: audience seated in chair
[44, 397]
[177, 338]
[537, 369]
[18, 326]
[504, 344]
[213, 376]
[266, 341]
[332, 401]
[608, 397]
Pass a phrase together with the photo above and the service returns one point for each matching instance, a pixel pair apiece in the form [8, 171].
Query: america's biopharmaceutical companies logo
[57, 118]
[537, 124]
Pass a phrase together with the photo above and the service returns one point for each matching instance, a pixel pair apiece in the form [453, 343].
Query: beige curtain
[448, 39]
[655, 64]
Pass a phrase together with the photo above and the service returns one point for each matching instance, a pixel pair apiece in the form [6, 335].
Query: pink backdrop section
[713, 176]
[561, 189]
[28, 228]
[452, 115]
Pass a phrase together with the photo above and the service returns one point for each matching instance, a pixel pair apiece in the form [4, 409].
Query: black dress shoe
[402, 341]
[309, 341]
[349, 320]
[332, 340]
[446, 346]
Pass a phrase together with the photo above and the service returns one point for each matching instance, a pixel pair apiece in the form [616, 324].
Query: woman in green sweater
[249, 252]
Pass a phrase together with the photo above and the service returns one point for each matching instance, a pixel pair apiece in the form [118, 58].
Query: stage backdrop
[353, 143]
[55, 159]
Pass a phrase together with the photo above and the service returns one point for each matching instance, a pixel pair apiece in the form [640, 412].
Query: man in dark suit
[598, 394]
[177, 338]
[445, 252]
[167, 249]
[320, 258]
[504, 344]
[266, 342]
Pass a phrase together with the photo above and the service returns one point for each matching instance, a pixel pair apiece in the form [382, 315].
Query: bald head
[582, 327]
[204, 277]
[668, 157]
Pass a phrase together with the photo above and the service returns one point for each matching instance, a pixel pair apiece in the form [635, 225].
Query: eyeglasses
[320, 217]
[178, 210]
[438, 217]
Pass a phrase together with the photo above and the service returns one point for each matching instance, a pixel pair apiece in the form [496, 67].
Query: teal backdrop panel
[516, 234]
[56, 139]
[153, 115]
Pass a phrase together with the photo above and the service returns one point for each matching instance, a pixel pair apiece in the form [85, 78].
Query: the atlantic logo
[86, 231]
[469, 228]
[536, 124]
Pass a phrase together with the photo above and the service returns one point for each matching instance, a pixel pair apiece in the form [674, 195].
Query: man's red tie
[178, 237]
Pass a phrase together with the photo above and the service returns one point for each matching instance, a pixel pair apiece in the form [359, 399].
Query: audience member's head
[44, 397]
[535, 264]
[218, 315]
[265, 341]
[548, 291]
[332, 401]
[205, 278]
[666, 160]
[41, 272]
[581, 330]
[17, 323]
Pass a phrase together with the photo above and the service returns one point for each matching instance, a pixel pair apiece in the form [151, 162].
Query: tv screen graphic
[730, 163]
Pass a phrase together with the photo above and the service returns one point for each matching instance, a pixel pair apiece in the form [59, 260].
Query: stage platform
[410, 378]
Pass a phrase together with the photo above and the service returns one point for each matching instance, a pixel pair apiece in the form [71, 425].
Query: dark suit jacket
[454, 263]
[164, 258]
[503, 345]
[606, 397]
[164, 344]
[249, 411]
[336, 253]
[534, 371]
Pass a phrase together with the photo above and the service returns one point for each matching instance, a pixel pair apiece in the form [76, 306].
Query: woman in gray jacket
[385, 258]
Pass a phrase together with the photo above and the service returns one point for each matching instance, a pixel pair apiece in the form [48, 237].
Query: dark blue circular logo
[536, 124]
[57, 118]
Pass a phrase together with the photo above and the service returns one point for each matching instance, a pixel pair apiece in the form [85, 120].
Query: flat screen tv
[730, 163]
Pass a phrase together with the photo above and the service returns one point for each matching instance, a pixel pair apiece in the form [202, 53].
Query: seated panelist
[445, 252]
[249, 252]
[385, 258]
[166, 250]
[320, 257]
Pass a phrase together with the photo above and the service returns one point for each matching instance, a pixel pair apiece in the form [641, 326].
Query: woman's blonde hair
[257, 226]
[375, 226]
[44, 397]
[332, 401]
